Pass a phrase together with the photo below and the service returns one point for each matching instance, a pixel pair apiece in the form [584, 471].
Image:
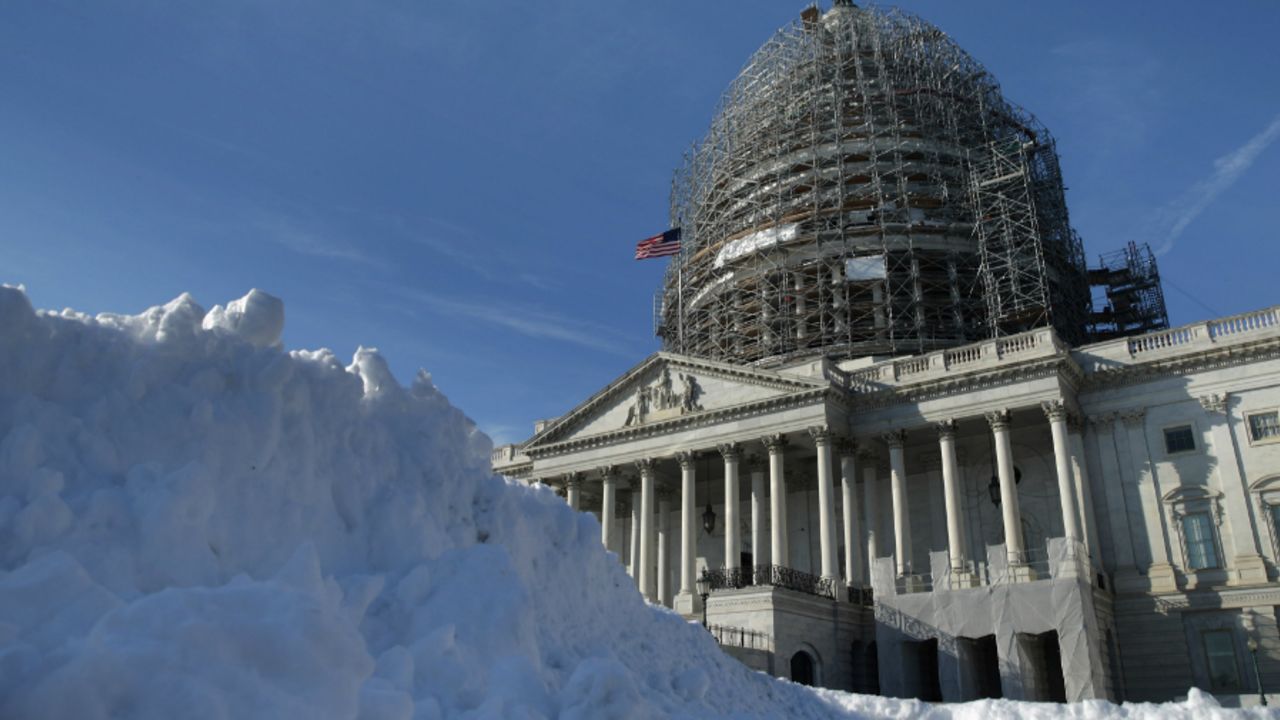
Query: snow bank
[196, 523]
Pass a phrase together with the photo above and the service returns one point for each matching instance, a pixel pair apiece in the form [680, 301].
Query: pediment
[666, 387]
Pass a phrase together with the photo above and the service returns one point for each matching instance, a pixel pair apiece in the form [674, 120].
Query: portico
[969, 518]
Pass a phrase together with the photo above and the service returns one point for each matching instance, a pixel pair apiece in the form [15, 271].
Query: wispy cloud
[460, 245]
[531, 323]
[1174, 217]
[293, 235]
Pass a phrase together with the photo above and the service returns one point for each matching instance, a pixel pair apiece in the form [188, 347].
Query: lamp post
[1257, 676]
[703, 584]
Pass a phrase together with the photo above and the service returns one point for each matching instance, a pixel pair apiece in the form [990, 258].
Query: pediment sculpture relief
[661, 401]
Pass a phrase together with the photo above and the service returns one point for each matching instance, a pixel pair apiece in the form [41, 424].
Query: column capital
[573, 480]
[1075, 423]
[1215, 403]
[686, 458]
[1055, 410]
[645, 466]
[999, 419]
[821, 435]
[867, 454]
[730, 451]
[947, 429]
[1133, 418]
[774, 442]
[755, 463]
[1103, 422]
[664, 491]
[846, 446]
[894, 438]
[609, 472]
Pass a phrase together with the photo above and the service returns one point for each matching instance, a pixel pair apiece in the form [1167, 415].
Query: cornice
[1211, 359]
[1060, 366]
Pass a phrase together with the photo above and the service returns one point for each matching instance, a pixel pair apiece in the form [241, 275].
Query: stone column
[688, 523]
[1246, 566]
[609, 498]
[1009, 509]
[634, 569]
[826, 504]
[732, 527]
[648, 587]
[901, 512]
[759, 549]
[573, 489]
[852, 520]
[1057, 414]
[870, 507]
[664, 546]
[961, 575]
[777, 499]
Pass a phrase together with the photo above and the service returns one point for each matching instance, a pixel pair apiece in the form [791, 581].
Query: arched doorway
[802, 668]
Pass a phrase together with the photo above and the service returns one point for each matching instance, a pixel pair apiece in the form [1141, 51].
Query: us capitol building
[903, 436]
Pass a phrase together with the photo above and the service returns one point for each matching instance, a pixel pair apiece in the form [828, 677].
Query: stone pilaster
[1246, 566]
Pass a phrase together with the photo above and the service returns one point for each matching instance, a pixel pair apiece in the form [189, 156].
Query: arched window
[802, 668]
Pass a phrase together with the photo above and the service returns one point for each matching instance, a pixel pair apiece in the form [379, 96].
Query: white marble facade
[1015, 517]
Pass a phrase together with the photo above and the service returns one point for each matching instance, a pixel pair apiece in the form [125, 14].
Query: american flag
[668, 243]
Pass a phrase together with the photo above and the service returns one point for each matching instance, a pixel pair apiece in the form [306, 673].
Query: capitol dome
[865, 190]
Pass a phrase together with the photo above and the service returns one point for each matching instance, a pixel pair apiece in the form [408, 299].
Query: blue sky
[461, 184]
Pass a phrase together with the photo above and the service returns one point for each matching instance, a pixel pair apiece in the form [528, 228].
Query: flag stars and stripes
[668, 243]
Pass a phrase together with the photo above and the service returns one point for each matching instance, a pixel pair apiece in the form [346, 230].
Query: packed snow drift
[197, 523]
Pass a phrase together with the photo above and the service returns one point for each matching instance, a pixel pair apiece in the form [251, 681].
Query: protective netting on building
[864, 189]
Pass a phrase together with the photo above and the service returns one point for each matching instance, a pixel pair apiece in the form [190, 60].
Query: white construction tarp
[867, 267]
[755, 242]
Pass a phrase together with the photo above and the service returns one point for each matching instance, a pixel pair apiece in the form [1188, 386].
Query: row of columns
[651, 584]
[1011, 515]
[1065, 445]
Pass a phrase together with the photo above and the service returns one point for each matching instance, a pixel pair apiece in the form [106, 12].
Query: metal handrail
[771, 576]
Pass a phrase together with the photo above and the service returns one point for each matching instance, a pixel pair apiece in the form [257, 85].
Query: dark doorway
[980, 668]
[747, 562]
[1042, 667]
[873, 668]
[802, 668]
[922, 663]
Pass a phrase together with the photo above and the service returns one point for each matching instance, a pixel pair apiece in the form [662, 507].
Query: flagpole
[680, 300]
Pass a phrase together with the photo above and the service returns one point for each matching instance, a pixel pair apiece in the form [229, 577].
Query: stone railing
[1042, 342]
[1245, 327]
[506, 456]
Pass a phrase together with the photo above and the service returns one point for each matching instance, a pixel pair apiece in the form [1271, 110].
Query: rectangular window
[1264, 426]
[1220, 654]
[1197, 531]
[1179, 439]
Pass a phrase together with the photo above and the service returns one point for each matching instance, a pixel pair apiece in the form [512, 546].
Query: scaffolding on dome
[865, 190]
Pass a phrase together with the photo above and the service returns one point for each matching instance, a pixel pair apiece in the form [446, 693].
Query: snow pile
[196, 523]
